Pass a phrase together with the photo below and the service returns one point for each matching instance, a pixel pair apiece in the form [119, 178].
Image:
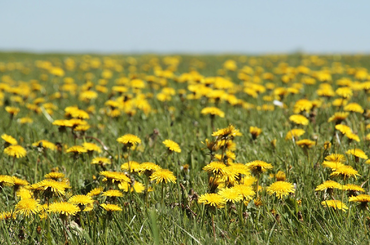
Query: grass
[171, 212]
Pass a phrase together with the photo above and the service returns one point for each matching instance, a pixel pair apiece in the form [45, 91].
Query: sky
[191, 26]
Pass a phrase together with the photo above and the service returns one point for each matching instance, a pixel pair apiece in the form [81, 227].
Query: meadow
[150, 149]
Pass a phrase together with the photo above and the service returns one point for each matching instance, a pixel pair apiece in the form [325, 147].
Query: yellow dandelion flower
[332, 165]
[344, 129]
[212, 199]
[227, 133]
[45, 144]
[82, 201]
[335, 158]
[12, 110]
[352, 136]
[215, 167]
[230, 195]
[9, 139]
[54, 175]
[7, 215]
[294, 133]
[246, 192]
[137, 187]
[255, 132]
[357, 153]
[76, 149]
[111, 207]
[336, 204]
[259, 166]
[305, 143]
[101, 161]
[64, 208]
[24, 193]
[16, 151]
[302, 105]
[6, 180]
[280, 189]
[345, 172]
[90, 147]
[329, 184]
[131, 166]
[354, 107]
[213, 111]
[25, 120]
[112, 193]
[363, 198]
[149, 167]
[172, 146]
[20, 182]
[129, 140]
[299, 119]
[95, 192]
[338, 117]
[280, 176]
[163, 175]
[353, 187]
[115, 176]
[27, 207]
[51, 185]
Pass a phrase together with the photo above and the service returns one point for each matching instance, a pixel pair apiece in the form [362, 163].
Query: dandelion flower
[6, 180]
[115, 176]
[16, 151]
[81, 201]
[27, 207]
[101, 160]
[294, 133]
[362, 198]
[76, 149]
[335, 157]
[305, 143]
[111, 207]
[163, 175]
[227, 133]
[172, 146]
[90, 147]
[280, 189]
[345, 172]
[215, 167]
[247, 192]
[230, 195]
[129, 140]
[131, 166]
[45, 144]
[95, 192]
[357, 153]
[338, 117]
[259, 166]
[329, 184]
[112, 193]
[213, 111]
[336, 204]
[54, 175]
[212, 199]
[137, 187]
[9, 139]
[344, 129]
[353, 188]
[332, 165]
[354, 107]
[255, 132]
[64, 208]
[299, 119]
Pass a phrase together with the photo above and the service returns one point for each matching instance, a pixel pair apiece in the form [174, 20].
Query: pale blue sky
[192, 26]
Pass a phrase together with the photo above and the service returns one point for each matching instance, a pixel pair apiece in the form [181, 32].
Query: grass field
[184, 149]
